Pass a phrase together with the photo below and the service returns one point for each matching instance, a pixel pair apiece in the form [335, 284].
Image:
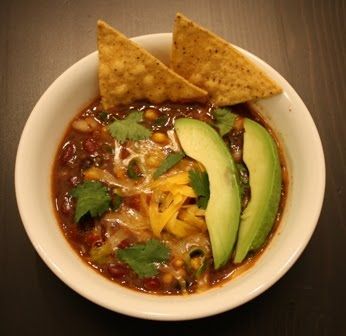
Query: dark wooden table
[303, 40]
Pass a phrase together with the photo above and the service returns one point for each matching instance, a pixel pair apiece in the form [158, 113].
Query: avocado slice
[202, 143]
[261, 157]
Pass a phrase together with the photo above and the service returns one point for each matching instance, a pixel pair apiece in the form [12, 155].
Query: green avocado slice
[202, 143]
[261, 157]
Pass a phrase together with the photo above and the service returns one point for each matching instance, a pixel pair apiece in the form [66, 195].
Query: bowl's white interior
[43, 132]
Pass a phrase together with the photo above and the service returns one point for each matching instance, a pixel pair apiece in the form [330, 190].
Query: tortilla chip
[214, 65]
[128, 73]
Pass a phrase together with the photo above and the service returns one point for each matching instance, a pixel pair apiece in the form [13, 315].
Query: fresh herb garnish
[92, 197]
[142, 258]
[129, 128]
[200, 184]
[117, 200]
[224, 120]
[171, 160]
[133, 170]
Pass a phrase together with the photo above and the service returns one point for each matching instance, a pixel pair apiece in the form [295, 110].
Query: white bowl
[42, 134]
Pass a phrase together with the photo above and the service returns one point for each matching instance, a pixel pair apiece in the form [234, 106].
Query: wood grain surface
[303, 40]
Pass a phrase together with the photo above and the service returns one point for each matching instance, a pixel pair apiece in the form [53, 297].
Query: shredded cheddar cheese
[168, 211]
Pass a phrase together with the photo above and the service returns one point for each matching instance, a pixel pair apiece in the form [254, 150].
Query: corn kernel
[153, 161]
[178, 262]
[119, 173]
[151, 114]
[160, 138]
[195, 263]
[167, 278]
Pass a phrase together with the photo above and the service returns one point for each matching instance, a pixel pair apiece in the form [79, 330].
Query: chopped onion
[116, 238]
[130, 219]
[102, 253]
[174, 144]
[127, 187]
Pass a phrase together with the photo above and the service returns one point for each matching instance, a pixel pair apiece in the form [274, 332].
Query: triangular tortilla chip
[128, 73]
[214, 65]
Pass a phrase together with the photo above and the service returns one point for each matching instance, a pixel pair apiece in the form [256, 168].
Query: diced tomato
[124, 153]
[133, 202]
[124, 244]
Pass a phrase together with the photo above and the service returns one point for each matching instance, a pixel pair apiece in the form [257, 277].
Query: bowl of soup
[170, 210]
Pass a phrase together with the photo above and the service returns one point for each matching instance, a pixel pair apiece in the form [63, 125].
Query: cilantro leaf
[171, 160]
[142, 258]
[200, 184]
[202, 202]
[92, 197]
[129, 128]
[224, 120]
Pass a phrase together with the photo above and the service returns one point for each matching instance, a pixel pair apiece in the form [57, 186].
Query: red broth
[87, 145]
